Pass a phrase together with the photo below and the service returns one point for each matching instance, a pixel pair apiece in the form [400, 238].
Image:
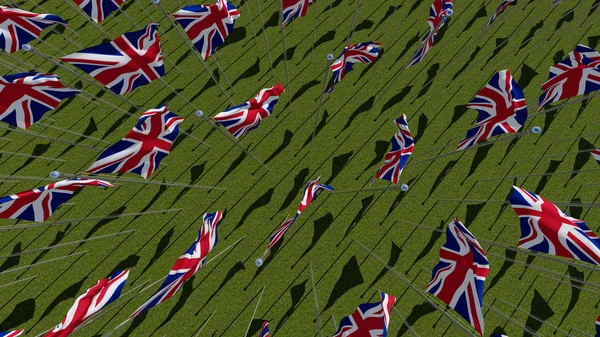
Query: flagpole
[260, 261]
[312, 47]
[205, 323]
[540, 174]
[515, 308]
[403, 188]
[31, 156]
[352, 26]
[38, 135]
[92, 22]
[262, 28]
[192, 48]
[418, 291]
[41, 263]
[251, 20]
[200, 114]
[412, 330]
[71, 132]
[65, 222]
[288, 88]
[316, 302]
[525, 328]
[334, 322]
[18, 281]
[326, 77]
[59, 174]
[254, 313]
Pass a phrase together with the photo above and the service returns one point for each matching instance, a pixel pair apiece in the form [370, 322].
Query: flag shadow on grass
[395, 100]
[540, 309]
[57, 239]
[121, 121]
[366, 205]
[102, 223]
[21, 314]
[12, 261]
[466, 65]
[91, 128]
[262, 201]
[500, 44]
[381, 148]
[481, 13]
[350, 277]
[299, 180]
[435, 235]
[234, 270]
[287, 140]
[581, 158]
[576, 277]
[162, 245]
[66, 295]
[480, 155]
[440, 178]
[127, 263]
[431, 74]
[459, 111]
[252, 71]
[327, 37]
[137, 321]
[394, 256]
[410, 45]
[296, 292]
[187, 289]
[195, 173]
[320, 127]
[38, 150]
[510, 255]
[321, 225]
[238, 34]
[418, 311]
[337, 165]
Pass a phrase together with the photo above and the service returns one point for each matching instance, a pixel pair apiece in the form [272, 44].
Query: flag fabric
[98, 10]
[188, 264]
[243, 118]
[499, 335]
[18, 27]
[547, 229]
[208, 26]
[143, 148]
[402, 147]
[26, 97]
[458, 278]
[500, 8]
[264, 330]
[369, 319]
[578, 74]
[278, 235]
[90, 303]
[294, 9]
[596, 154]
[502, 109]
[598, 326]
[310, 193]
[39, 204]
[132, 60]
[439, 12]
[14, 333]
[365, 52]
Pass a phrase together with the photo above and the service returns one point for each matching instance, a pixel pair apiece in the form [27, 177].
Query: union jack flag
[502, 109]
[264, 330]
[596, 154]
[208, 26]
[89, 304]
[365, 52]
[14, 333]
[598, 326]
[294, 9]
[26, 97]
[499, 335]
[369, 319]
[500, 8]
[439, 12]
[458, 278]
[281, 231]
[188, 264]
[310, 193]
[98, 10]
[243, 118]
[578, 74]
[39, 204]
[18, 27]
[129, 61]
[547, 229]
[402, 147]
[143, 147]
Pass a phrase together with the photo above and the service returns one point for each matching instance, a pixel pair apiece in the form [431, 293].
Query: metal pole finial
[26, 47]
[199, 113]
[56, 174]
[330, 57]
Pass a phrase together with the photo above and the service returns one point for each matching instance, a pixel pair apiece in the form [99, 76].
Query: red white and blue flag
[188, 264]
[98, 10]
[208, 26]
[596, 154]
[547, 229]
[281, 231]
[502, 109]
[369, 319]
[26, 97]
[294, 9]
[264, 330]
[402, 147]
[598, 326]
[14, 333]
[499, 335]
[18, 27]
[310, 193]
[365, 52]
[500, 8]
[90, 303]
[459, 277]
[132, 60]
[438, 14]
[39, 204]
[143, 147]
[243, 118]
[576, 75]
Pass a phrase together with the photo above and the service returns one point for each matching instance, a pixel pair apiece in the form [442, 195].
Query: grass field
[353, 135]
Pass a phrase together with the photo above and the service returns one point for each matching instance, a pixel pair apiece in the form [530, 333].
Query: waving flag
[294, 9]
[143, 147]
[500, 8]
[27, 97]
[458, 278]
[502, 109]
[369, 319]
[310, 193]
[365, 52]
[39, 204]
[208, 26]
[402, 147]
[243, 118]
[18, 27]
[15, 333]
[598, 326]
[596, 154]
[439, 12]
[281, 231]
[498, 335]
[578, 74]
[547, 229]
[89, 304]
[188, 264]
[98, 10]
[130, 61]
[264, 330]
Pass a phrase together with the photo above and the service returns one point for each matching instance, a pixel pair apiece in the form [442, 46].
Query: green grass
[343, 154]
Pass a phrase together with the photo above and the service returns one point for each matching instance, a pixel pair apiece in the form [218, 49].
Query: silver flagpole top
[156, 2]
[449, 13]
[404, 187]
[26, 47]
[259, 262]
[536, 129]
[330, 57]
[55, 174]
[199, 113]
